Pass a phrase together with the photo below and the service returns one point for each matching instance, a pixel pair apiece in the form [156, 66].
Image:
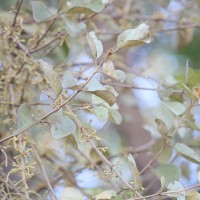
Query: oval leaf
[107, 96]
[95, 44]
[86, 7]
[162, 127]
[187, 153]
[114, 116]
[173, 187]
[40, 11]
[51, 77]
[135, 172]
[61, 125]
[175, 107]
[101, 113]
[134, 37]
[24, 117]
[170, 173]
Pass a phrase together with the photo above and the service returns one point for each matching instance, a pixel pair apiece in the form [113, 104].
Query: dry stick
[18, 6]
[22, 163]
[49, 26]
[166, 193]
[178, 28]
[111, 166]
[43, 170]
[98, 168]
[154, 158]
[47, 44]
[58, 107]
[67, 174]
[130, 86]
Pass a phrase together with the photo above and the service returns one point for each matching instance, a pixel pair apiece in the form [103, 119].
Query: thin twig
[130, 86]
[154, 158]
[43, 170]
[18, 6]
[49, 26]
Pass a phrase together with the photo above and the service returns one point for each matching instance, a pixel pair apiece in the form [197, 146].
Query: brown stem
[43, 170]
[18, 6]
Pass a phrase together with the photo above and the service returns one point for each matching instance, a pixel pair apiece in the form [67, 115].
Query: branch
[49, 26]
[43, 170]
[18, 6]
[61, 105]
[129, 86]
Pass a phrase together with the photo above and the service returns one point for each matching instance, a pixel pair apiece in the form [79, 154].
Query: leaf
[108, 194]
[41, 12]
[166, 153]
[61, 125]
[192, 195]
[174, 191]
[95, 44]
[170, 172]
[51, 77]
[134, 37]
[94, 85]
[121, 75]
[107, 96]
[175, 107]
[71, 194]
[187, 153]
[74, 29]
[109, 69]
[86, 7]
[162, 128]
[101, 112]
[68, 80]
[114, 116]
[24, 117]
[135, 172]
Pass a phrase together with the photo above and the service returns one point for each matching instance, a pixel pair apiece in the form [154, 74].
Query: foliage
[64, 71]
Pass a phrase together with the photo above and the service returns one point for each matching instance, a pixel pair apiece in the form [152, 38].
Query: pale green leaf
[162, 127]
[101, 113]
[40, 11]
[68, 80]
[61, 125]
[175, 107]
[170, 172]
[192, 195]
[106, 195]
[23, 117]
[71, 194]
[74, 29]
[95, 44]
[109, 69]
[135, 172]
[188, 153]
[134, 37]
[51, 77]
[121, 75]
[86, 7]
[94, 85]
[114, 116]
[166, 153]
[174, 190]
[107, 96]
